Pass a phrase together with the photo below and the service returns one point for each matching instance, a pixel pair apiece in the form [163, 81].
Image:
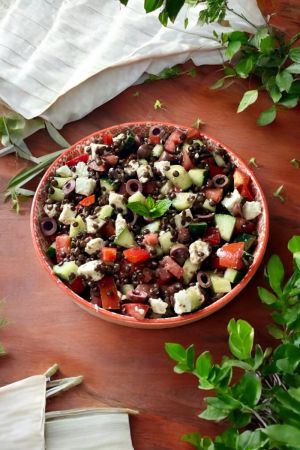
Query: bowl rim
[159, 322]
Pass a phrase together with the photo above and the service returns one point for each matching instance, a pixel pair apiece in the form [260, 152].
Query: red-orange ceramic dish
[41, 243]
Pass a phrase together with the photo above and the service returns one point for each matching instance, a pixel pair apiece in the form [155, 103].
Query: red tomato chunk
[231, 255]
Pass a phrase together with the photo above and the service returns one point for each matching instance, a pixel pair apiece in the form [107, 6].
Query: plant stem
[241, 17]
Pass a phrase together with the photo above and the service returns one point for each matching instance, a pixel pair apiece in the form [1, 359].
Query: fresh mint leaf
[175, 351]
[158, 104]
[267, 117]
[294, 54]
[151, 208]
[204, 365]
[232, 49]
[275, 271]
[266, 296]
[284, 80]
[282, 434]
[138, 208]
[161, 206]
[241, 335]
[248, 99]
[294, 68]
[150, 203]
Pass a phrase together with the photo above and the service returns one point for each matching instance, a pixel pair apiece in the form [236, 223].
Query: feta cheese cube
[81, 169]
[120, 137]
[162, 166]
[251, 210]
[93, 225]
[67, 215]
[144, 173]
[85, 186]
[64, 171]
[94, 245]
[120, 224]
[182, 303]
[199, 251]
[95, 147]
[89, 270]
[117, 201]
[158, 305]
[180, 218]
[231, 201]
[131, 167]
[51, 212]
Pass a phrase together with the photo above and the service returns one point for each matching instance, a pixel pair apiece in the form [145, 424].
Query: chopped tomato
[77, 285]
[107, 138]
[80, 158]
[245, 191]
[243, 226]
[240, 178]
[147, 275]
[214, 194]
[163, 276]
[213, 168]
[171, 266]
[173, 140]
[193, 134]
[214, 262]
[62, 246]
[97, 167]
[109, 293]
[111, 160]
[231, 255]
[136, 255]
[212, 236]
[186, 160]
[95, 300]
[88, 201]
[136, 310]
[154, 139]
[155, 133]
[108, 229]
[151, 239]
[109, 254]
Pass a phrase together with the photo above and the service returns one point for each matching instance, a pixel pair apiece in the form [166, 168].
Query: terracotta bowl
[41, 244]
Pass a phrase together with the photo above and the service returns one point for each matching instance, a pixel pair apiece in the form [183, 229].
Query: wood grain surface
[129, 367]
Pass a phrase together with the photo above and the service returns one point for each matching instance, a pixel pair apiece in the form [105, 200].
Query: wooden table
[125, 366]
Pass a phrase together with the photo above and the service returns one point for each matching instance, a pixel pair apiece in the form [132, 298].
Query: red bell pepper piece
[136, 310]
[231, 255]
[77, 285]
[108, 229]
[245, 191]
[147, 275]
[171, 266]
[88, 201]
[62, 246]
[186, 160]
[212, 236]
[97, 167]
[163, 276]
[173, 140]
[213, 168]
[151, 239]
[107, 138]
[109, 293]
[109, 254]
[193, 134]
[81, 158]
[214, 194]
[154, 139]
[136, 255]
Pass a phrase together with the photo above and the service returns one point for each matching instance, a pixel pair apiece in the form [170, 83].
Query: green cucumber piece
[195, 296]
[183, 180]
[157, 150]
[189, 270]
[106, 185]
[220, 284]
[137, 197]
[65, 270]
[80, 228]
[166, 188]
[152, 227]
[126, 287]
[233, 275]
[226, 224]
[208, 206]
[198, 141]
[166, 241]
[51, 251]
[105, 211]
[64, 171]
[61, 181]
[219, 160]
[248, 239]
[197, 229]
[57, 196]
[183, 200]
[125, 239]
[198, 176]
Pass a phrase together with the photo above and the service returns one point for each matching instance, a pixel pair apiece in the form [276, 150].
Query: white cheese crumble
[187, 300]
[158, 305]
[94, 245]
[88, 270]
[162, 166]
[117, 201]
[51, 212]
[199, 251]
[85, 186]
[120, 137]
[231, 201]
[81, 169]
[120, 224]
[64, 171]
[131, 167]
[93, 225]
[67, 215]
[179, 218]
[251, 210]
[95, 147]
[144, 173]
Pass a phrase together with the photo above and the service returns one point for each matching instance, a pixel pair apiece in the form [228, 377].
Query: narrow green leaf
[232, 49]
[163, 18]
[294, 54]
[275, 272]
[248, 390]
[284, 80]
[266, 296]
[278, 193]
[204, 365]
[218, 84]
[56, 136]
[248, 99]
[283, 434]
[175, 351]
[289, 101]
[211, 413]
[294, 68]
[275, 331]
[241, 335]
[244, 67]
[267, 117]
[173, 7]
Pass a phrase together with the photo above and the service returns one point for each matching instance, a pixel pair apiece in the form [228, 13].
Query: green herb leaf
[284, 80]
[212, 413]
[152, 5]
[248, 99]
[294, 68]
[175, 351]
[150, 203]
[244, 66]
[275, 271]
[283, 434]
[267, 117]
[248, 389]
[124, 2]
[241, 336]
[138, 208]
[275, 331]
[56, 136]
[294, 244]
[278, 193]
[266, 296]
[289, 101]
[204, 365]
[158, 104]
[198, 123]
[295, 163]
[232, 49]
[160, 208]
[294, 54]
[252, 162]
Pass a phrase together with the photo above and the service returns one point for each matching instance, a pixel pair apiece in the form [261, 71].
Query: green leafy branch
[263, 405]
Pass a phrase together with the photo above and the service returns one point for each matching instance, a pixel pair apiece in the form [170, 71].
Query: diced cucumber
[183, 200]
[51, 251]
[106, 185]
[195, 296]
[197, 229]
[143, 161]
[126, 287]
[137, 197]
[105, 211]
[158, 250]
[125, 239]
[165, 241]
[208, 206]
[219, 160]
[64, 171]
[61, 181]
[65, 270]
[226, 224]
[220, 284]
[152, 227]
[180, 219]
[181, 179]
[189, 271]
[165, 189]
[248, 239]
[157, 150]
[57, 196]
[233, 275]
[198, 141]
[79, 228]
[198, 176]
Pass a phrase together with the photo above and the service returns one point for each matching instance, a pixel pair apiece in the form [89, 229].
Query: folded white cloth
[60, 59]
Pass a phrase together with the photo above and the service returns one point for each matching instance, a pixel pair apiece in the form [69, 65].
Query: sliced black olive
[69, 187]
[133, 186]
[220, 181]
[48, 226]
[180, 253]
[144, 151]
[203, 280]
